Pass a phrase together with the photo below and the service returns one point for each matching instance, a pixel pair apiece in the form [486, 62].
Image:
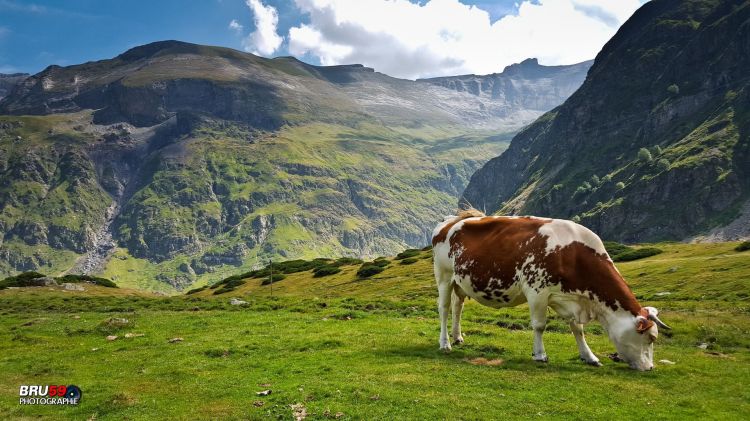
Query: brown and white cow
[504, 261]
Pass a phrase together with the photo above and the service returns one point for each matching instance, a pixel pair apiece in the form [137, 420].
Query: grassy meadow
[338, 347]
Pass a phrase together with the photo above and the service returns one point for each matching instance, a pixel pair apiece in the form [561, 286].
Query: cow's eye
[651, 339]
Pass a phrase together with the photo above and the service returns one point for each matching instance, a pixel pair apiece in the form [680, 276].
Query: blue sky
[35, 34]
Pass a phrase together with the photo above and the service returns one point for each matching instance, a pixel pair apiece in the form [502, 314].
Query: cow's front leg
[583, 348]
[444, 302]
[457, 301]
[538, 308]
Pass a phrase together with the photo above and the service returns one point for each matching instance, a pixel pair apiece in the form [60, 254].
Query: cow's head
[634, 340]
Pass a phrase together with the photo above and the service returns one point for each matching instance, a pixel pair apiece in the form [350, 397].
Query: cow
[504, 261]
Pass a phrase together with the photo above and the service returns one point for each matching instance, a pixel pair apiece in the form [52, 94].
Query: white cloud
[236, 26]
[264, 40]
[446, 37]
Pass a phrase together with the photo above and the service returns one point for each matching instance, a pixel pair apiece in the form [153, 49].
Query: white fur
[560, 233]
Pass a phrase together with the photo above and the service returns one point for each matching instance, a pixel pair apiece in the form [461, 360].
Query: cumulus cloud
[236, 26]
[446, 37]
[264, 40]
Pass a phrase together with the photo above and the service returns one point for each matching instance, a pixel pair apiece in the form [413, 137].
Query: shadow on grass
[462, 354]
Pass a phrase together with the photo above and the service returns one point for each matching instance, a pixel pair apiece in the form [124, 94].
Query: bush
[595, 180]
[673, 89]
[427, 248]
[380, 261]
[743, 246]
[620, 185]
[368, 270]
[275, 278]
[72, 279]
[657, 150]
[196, 290]
[637, 254]
[662, 165]
[21, 280]
[614, 248]
[409, 260]
[347, 261]
[644, 155]
[325, 271]
[407, 253]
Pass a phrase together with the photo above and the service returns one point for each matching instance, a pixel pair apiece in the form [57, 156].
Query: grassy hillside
[367, 349]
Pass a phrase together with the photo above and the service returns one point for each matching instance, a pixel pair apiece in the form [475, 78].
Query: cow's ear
[642, 324]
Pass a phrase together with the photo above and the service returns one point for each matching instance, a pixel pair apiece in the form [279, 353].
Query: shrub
[637, 254]
[620, 185]
[196, 290]
[347, 261]
[325, 271]
[657, 150]
[743, 246]
[644, 155]
[662, 165]
[407, 253]
[607, 178]
[21, 280]
[380, 261]
[614, 248]
[595, 180]
[223, 290]
[673, 89]
[409, 260]
[72, 279]
[368, 270]
[275, 278]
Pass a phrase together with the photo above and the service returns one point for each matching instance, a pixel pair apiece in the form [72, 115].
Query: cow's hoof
[458, 341]
[594, 363]
[446, 348]
[542, 359]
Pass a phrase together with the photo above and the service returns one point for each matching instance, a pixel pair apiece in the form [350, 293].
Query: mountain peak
[151, 49]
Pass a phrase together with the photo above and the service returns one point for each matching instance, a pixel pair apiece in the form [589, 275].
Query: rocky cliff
[526, 86]
[655, 145]
[9, 81]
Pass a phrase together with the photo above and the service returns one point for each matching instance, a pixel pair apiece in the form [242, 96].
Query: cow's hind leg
[583, 348]
[538, 308]
[445, 287]
[457, 301]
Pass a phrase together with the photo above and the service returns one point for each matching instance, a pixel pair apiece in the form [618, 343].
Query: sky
[402, 38]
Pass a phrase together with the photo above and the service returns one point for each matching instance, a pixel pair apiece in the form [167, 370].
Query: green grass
[368, 349]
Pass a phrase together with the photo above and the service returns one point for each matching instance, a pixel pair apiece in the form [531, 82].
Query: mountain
[525, 86]
[9, 81]
[176, 163]
[654, 145]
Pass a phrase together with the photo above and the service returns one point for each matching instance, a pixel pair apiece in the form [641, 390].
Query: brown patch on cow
[467, 213]
[494, 248]
[644, 324]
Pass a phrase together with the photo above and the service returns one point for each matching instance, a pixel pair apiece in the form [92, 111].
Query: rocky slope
[655, 145]
[9, 81]
[525, 86]
[179, 163]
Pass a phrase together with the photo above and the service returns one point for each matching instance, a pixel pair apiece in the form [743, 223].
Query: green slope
[368, 349]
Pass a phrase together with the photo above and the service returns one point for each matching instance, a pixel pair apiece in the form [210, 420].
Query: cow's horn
[658, 322]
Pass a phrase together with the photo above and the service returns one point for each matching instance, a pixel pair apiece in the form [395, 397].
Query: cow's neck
[614, 321]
